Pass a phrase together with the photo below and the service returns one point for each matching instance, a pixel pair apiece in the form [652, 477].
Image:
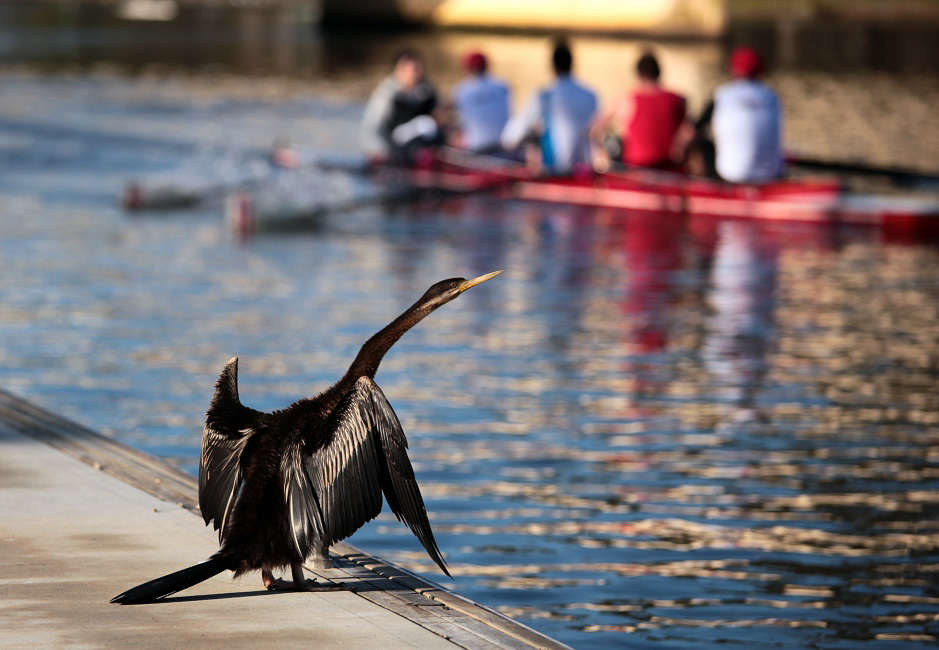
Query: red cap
[475, 61]
[746, 62]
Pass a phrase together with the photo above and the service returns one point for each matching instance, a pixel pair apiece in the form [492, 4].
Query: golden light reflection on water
[781, 414]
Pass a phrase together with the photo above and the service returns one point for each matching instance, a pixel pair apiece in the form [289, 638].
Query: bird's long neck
[372, 352]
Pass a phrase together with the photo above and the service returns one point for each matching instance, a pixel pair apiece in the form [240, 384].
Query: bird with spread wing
[282, 487]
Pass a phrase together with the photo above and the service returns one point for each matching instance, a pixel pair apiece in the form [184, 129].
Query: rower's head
[408, 68]
[475, 62]
[561, 58]
[647, 68]
[745, 63]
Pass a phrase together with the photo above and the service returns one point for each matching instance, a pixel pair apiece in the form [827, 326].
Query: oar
[326, 184]
[203, 177]
[899, 176]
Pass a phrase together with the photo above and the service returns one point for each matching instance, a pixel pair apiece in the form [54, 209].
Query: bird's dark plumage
[170, 584]
[281, 487]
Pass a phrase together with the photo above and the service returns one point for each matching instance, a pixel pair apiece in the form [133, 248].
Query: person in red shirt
[652, 119]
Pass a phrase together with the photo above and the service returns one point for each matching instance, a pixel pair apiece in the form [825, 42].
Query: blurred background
[652, 430]
[857, 78]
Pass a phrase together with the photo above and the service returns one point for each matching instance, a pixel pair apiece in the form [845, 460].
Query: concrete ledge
[73, 534]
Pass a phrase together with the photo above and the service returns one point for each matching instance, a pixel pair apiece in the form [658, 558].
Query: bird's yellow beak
[472, 283]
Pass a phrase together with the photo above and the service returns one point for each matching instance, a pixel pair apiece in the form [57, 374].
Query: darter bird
[282, 487]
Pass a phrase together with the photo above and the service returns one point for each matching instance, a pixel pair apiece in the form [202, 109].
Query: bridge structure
[659, 17]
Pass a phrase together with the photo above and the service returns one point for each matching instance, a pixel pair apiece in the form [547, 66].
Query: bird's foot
[306, 585]
[278, 584]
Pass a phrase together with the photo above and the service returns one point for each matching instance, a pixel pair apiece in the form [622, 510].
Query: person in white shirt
[482, 106]
[747, 123]
[560, 115]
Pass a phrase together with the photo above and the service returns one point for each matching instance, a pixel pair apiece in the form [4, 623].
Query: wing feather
[303, 505]
[400, 485]
[228, 427]
[365, 456]
[333, 483]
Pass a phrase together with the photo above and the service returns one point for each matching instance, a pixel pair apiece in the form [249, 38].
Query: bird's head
[446, 290]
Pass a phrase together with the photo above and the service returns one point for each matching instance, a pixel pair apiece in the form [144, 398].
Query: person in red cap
[745, 63]
[746, 121]
[475, 62]
[482, 106]
[651, 118]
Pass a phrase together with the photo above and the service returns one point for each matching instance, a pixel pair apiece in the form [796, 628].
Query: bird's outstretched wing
[338, 487]
[228, 427]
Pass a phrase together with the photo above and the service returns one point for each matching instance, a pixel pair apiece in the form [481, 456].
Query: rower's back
[746, 132]
[747, 124]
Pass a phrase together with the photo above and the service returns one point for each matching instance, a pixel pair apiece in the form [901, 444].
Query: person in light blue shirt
[482, 106]
[559, 116]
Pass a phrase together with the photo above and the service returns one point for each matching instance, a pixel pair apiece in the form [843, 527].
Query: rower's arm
[521, 125]
[705, 118]
[375, 118]
[613, 118]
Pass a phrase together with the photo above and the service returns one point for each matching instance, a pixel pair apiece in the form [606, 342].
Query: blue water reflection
[651, 430]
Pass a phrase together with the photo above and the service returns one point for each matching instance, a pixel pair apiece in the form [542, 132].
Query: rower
[399, 117]
[651, 117]
[746, 122]
[482, 106]
[556, 121]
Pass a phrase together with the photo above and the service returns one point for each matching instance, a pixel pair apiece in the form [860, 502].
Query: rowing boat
[260, 199]
[807, 200]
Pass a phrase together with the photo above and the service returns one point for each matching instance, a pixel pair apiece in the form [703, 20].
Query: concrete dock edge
[448, 615]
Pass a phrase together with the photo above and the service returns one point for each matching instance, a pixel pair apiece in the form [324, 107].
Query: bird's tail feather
[173, 582]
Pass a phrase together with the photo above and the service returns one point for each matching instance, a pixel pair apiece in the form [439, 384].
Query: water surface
[650, 431]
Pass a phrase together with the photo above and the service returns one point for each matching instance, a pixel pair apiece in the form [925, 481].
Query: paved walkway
[72, 536]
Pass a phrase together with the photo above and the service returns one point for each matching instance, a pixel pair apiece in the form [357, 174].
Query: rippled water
[649, 431]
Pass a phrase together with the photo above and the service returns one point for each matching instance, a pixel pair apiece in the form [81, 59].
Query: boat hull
[814, 201]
